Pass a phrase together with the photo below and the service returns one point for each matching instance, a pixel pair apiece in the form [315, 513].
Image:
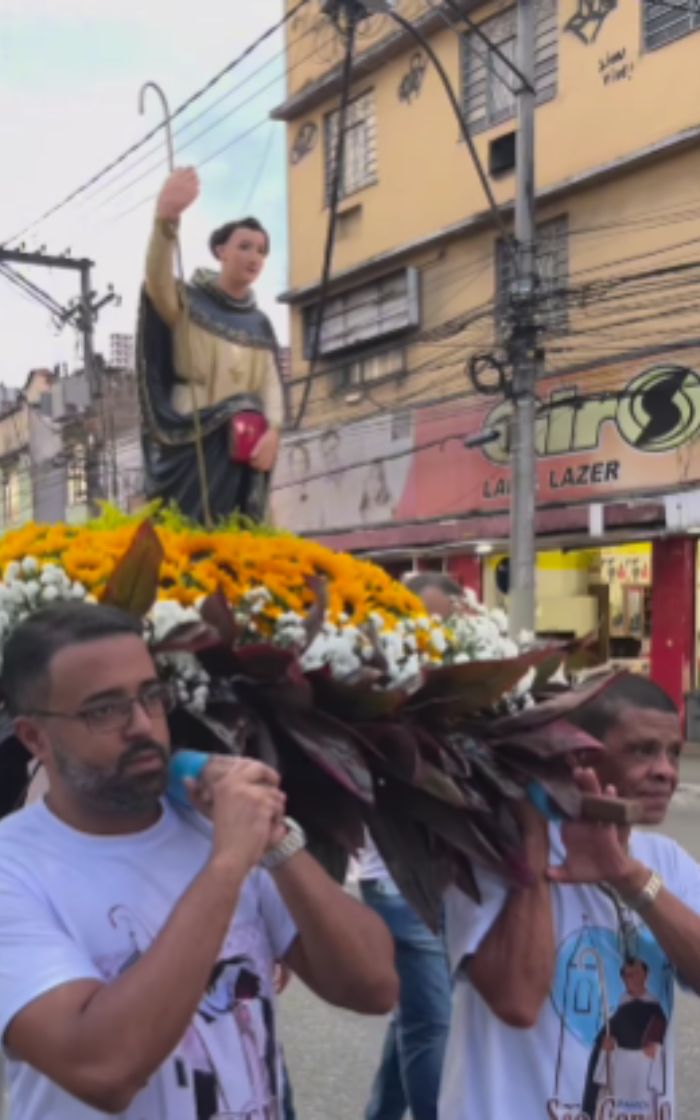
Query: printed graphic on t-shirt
[226, 1067]
[613, 995]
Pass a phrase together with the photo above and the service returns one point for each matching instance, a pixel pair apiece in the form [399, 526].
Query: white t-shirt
[74, 906]
[597, 1052]
[371, 866]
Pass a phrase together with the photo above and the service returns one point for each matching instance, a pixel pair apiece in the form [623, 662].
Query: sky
[70, 75]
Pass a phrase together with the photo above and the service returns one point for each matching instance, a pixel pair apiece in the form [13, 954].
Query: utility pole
[82, 313]
[86, 321]
[525, 352]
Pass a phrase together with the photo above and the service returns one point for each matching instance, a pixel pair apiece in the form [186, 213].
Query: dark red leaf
[133, 585]
[265, 662]
[556, 707]
[412, 861]
[216, 612]
[551, 739]
[334, 747]
[188, 637]
[475, 686]
[357, 702]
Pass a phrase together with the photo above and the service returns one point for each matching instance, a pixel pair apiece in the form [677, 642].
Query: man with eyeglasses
[138, 940]
[563, 1001]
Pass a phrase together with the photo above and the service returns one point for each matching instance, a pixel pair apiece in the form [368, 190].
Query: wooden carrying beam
[610, 810]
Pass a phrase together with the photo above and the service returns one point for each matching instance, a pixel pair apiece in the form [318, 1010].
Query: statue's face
[243, 257]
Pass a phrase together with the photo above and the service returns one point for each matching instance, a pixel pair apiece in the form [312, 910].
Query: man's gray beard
[108, 790]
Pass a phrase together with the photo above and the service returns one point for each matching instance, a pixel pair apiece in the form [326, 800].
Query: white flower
[12, 571]
[501, 620]
[438, 640]
[50, 573]
[78, 592]
[166, 615]
[49, 594]
[32, 588]
[344, 663]
[509, 648]
[30, 566]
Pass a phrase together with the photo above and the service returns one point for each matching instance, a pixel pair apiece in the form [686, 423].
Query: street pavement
[332, 1055]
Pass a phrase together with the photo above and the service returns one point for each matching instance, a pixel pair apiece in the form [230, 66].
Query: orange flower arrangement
[197, 563]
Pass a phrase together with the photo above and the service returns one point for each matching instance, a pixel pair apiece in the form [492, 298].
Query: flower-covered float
[375, 714]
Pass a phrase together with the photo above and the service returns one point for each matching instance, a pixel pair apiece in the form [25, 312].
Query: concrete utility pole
[83, 313]
[525, 352]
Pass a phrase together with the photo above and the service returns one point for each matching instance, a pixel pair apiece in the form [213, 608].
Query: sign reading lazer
[658, 412]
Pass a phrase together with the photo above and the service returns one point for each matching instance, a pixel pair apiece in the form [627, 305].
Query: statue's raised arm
[206, 346]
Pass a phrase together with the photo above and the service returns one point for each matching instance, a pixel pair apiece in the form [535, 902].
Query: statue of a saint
[206, 346]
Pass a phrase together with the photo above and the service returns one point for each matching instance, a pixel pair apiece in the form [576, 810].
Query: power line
[186, 125]
[336, 190]
[478, 33]
[36, 294]
[191, 100]
[258, 176]
[238, 139]
[160, 162]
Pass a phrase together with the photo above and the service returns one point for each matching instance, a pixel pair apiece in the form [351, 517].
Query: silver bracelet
[648, 894]
[293, 842]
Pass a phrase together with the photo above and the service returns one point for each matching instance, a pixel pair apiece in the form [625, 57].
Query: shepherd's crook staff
[196, 419]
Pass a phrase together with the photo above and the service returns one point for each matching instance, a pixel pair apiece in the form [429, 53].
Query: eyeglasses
[156, 700]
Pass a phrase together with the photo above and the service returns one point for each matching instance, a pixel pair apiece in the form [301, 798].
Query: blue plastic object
[541, 800]
[184, 765]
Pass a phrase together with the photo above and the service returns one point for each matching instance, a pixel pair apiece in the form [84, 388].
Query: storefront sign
[592, 441]
[620, 430]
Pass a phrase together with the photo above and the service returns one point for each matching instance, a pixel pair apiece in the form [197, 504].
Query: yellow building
[421, 275]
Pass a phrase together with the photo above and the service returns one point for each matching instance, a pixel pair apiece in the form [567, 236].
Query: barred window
[552, 260]
[360, 158]
[664, 22]
[371, 368]
[373, 311]
[77, 477]
[489, 86]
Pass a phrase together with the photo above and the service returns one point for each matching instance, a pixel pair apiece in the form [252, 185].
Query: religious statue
[208, 370]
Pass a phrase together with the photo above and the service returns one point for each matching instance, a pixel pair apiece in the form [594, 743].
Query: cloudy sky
[70, 74]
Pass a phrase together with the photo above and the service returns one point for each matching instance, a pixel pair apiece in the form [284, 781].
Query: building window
[553, 275]
[383, 308]
[664, 22]
[368, 370]
[77, 478]
[489, 86]
[11, 497]
[360, 160]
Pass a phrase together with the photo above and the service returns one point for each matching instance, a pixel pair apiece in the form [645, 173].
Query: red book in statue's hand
[246, 431]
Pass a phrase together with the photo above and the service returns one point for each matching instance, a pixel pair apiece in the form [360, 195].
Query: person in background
[563, 1000]
[441, 594]
[409, 1073]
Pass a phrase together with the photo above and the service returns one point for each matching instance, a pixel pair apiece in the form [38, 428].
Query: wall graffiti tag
[304, 143]
[588, 19]
[615, 66]
[412, 83]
